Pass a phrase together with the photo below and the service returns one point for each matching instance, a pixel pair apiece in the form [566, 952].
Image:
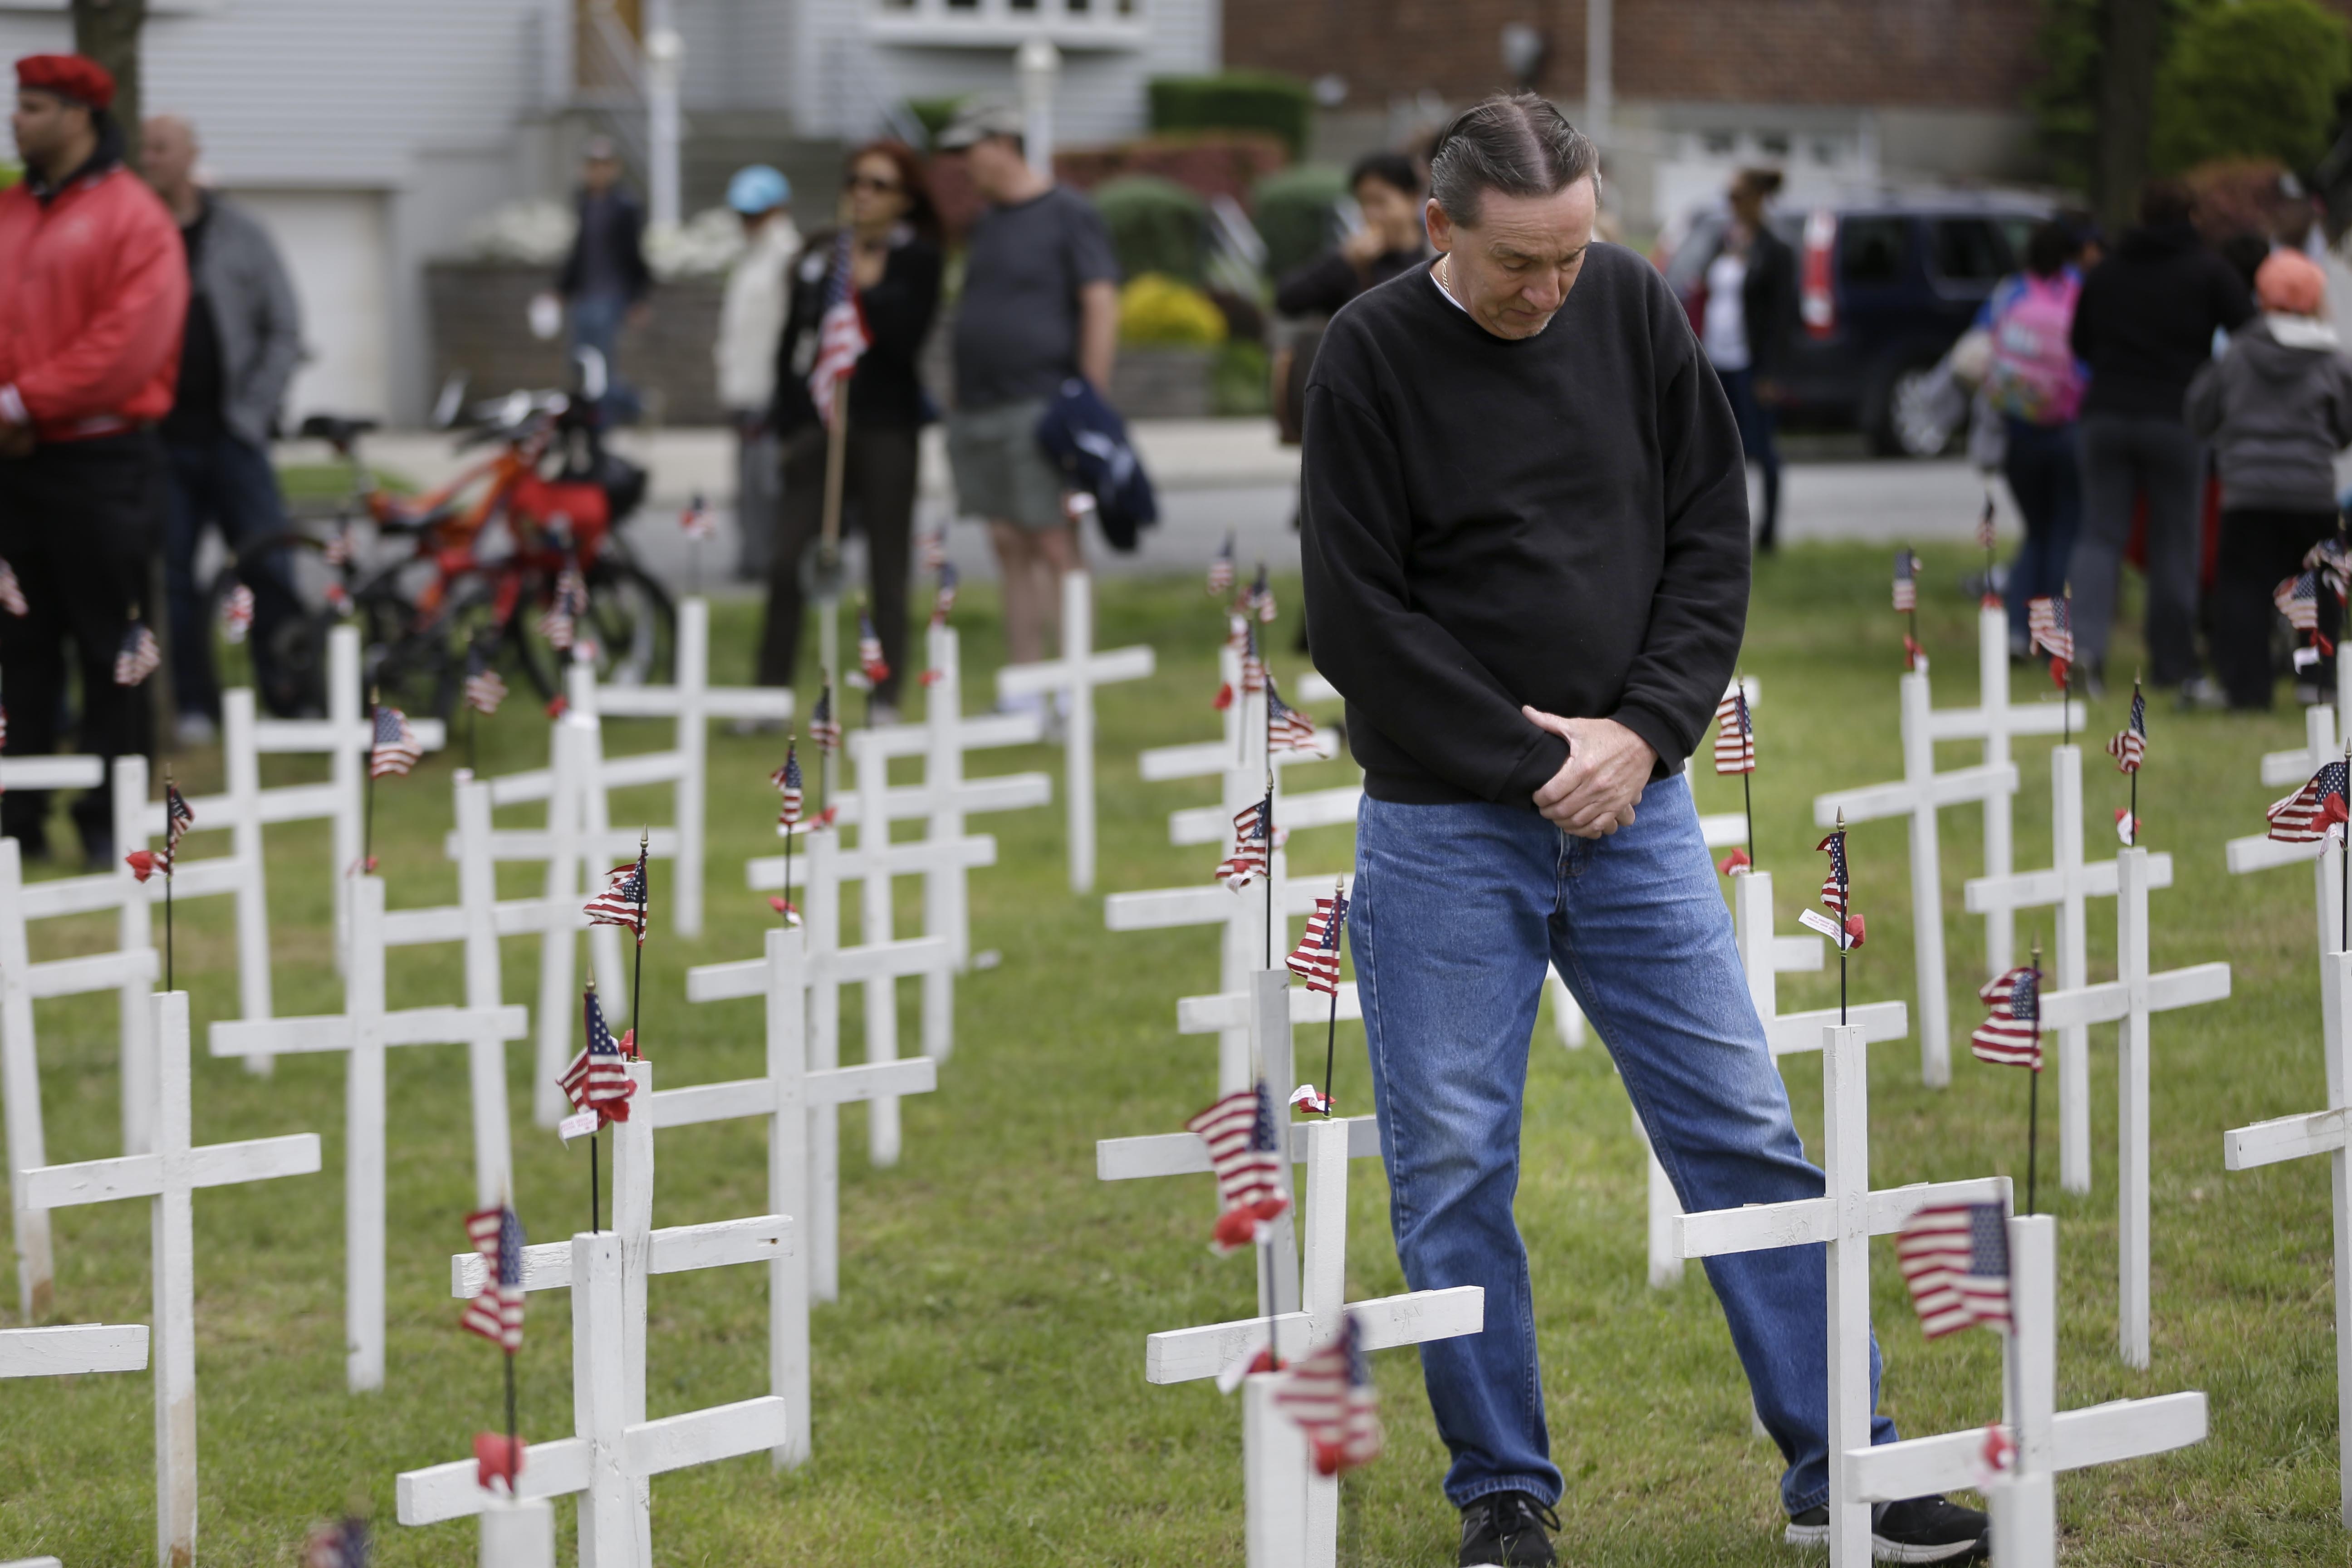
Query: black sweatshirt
[1559, 521]
[2145, 321]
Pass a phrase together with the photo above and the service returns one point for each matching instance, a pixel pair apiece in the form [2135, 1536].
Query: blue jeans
[2042, 466]
[229, 483]
[1457, 910]
[597, 323]
[1754, 417]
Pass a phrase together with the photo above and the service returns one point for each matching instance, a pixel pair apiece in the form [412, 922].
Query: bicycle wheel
[632, 624]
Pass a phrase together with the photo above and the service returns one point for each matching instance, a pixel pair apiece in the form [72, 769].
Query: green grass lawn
[980, 1393]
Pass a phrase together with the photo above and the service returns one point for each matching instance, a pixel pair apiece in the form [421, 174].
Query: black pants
[229, 483]
[1754, 417]
[878, 488]
[79, 521]
[2261, 548]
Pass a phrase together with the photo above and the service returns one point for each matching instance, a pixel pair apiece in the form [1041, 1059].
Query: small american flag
[943, 606]
[396, 748]
[2311, 812]
[559, 623]
[841, 335]
[485, 689]
[1245, 1150]
[177, 819]
[1260, 597]
[1315, 959]
[236, 613]
[2050, 624]
[2012, 1034]
[1837, 884]
[1955, 1257]
[1253, 662]
[1331, 1397]
[12, 592]
[1986, 535]
[1253, 834]
[1286, 728]
[2130, 744]
[2332, 559]
[1735, 735]
[1906, 582]
[934, 549]
[2297, 599]
[1221, 570]
[869, 652]
[621, 902]
[598, 1078]
[496, 1313]
[823, 728]
[138, 658]
[341, 1545]
[696, 522]
[789, 787]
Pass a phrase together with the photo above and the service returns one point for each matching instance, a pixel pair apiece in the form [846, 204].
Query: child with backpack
[2276, 408]
[2035, 384]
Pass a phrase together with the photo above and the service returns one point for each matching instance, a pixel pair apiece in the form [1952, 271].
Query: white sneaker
[195, 730]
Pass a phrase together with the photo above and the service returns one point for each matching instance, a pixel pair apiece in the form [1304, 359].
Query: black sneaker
[1507, 1530]
[1917, 1529]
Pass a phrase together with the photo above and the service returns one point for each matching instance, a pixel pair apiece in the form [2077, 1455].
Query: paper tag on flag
[572, 1127]
[1312, 1099]
[1813, 919]
[1256, 1356]
[2305, 659]
[2126, 827]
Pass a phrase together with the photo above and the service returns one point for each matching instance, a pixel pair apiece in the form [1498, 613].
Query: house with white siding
[370, 135]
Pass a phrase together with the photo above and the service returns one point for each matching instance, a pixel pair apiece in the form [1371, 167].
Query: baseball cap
[757, 189]
[976, 123]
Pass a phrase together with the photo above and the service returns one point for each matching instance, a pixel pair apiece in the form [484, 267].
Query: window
[1873, 251]
[1968, 250]
[1005, 24]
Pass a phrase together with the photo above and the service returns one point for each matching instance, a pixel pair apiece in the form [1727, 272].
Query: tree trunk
[107, 32]
[2130, 34]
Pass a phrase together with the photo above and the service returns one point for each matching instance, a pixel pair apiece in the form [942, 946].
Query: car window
[1967, 250]
[1873, 250]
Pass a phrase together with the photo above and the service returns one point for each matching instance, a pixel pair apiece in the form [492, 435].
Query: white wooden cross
[2300, 1137]
[80, 1348]
[576, 845]
[611, 1460]
[170, 1174]
[792, 1096]
[363, 1031]
[241, 809]
[1075, 675]
[2045, 1440]
[22, 983]
[345, 736]
[1922, 791]
[942, 800]
[2069, 885]
[1846, 1218]
[2260, 852]
[1994, 720]
[1764, 957]
[22, 771]
[2131, 998]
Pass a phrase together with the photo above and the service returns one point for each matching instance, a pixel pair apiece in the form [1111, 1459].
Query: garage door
[333, 243]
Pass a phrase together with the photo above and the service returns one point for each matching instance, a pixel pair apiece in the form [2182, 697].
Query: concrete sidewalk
[1213, 476]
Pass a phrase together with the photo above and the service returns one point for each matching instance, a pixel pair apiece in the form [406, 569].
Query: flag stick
[473, 719]
[1845, 912]
[789, 742]
[2133, 841]
[1331, 1026]
[367, 833]
[1268, 824]
[595, 1184]
[1748, 798]
[2033, 1094]
[637, 975]
[170, 865]
[510, 1411]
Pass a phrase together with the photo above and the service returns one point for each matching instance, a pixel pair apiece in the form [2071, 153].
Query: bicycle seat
[334, 429]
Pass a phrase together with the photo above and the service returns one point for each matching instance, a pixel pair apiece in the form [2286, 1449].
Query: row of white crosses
[616, 1451]
[2043, 1440]
[1072, 678]
[362, 1033]
[1923, 792]
[2067, 887]
[170, 1174]
[1292, 1514]
[693, 702]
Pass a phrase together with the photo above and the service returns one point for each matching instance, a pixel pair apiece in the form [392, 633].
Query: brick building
[1829, 89]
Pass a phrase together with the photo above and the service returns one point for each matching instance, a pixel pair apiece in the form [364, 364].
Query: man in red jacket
[93, 295]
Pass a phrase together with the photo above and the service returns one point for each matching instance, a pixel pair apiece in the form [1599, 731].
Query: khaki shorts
[1000, 469]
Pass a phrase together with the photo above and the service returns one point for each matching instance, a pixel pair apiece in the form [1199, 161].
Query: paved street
[1213, 476]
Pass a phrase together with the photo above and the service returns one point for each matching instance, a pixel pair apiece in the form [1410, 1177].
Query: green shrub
[1237, 382]
[1235, 101]
[1156, 226]
[1294, 214]
[1165, 312]
[2252, 78]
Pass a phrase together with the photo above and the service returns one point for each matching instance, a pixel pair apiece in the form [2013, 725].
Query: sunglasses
[868, 183]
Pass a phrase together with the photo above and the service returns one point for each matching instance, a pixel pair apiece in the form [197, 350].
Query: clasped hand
[1608, 767]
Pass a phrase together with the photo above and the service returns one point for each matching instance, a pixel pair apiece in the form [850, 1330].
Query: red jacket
[93, 299]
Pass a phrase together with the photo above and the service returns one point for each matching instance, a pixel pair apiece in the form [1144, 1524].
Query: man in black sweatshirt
[1526, 550]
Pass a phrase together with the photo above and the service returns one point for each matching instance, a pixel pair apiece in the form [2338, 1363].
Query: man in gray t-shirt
[1040, 305]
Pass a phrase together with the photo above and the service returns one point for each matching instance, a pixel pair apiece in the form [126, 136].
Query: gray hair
[1518, 143]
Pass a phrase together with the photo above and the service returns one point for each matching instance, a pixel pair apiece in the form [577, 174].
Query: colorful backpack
[2034, 376]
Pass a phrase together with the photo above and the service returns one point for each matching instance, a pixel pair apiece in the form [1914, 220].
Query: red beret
[77, 77]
